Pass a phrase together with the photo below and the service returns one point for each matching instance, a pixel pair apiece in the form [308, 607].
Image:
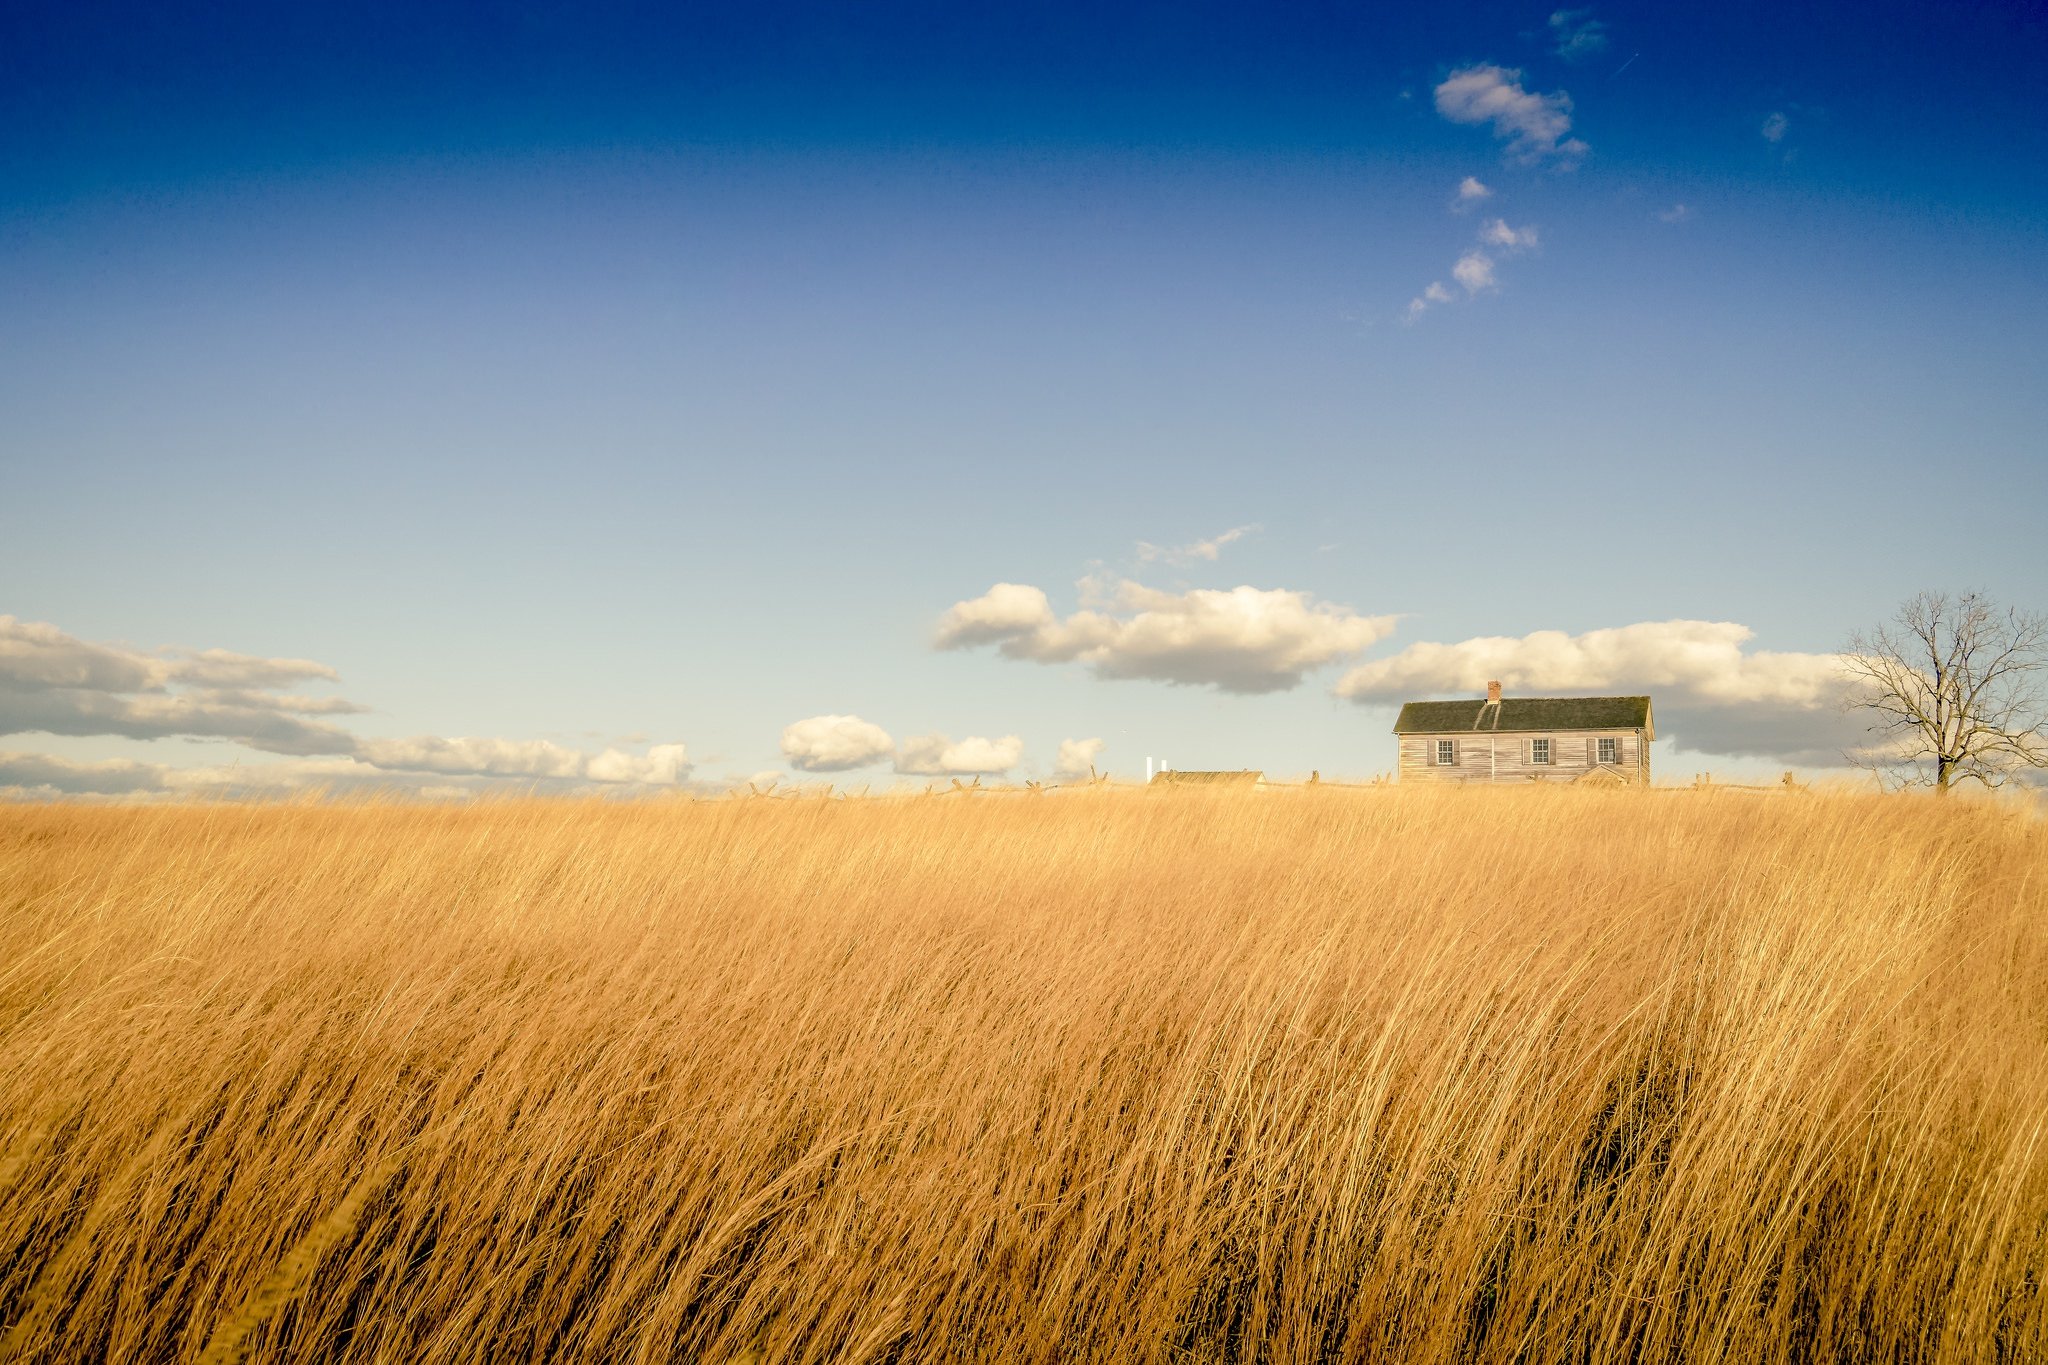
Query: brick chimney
[1493, 693]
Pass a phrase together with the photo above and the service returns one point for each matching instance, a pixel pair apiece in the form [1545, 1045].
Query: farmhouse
[1561, 739]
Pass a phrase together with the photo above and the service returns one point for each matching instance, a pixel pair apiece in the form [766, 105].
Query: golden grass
[1309, 1075]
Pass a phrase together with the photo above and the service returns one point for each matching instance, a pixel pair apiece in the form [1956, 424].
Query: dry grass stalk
[1308, 1075]
[230, 1341]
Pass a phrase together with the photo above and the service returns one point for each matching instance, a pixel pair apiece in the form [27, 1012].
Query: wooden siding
[1489, 756]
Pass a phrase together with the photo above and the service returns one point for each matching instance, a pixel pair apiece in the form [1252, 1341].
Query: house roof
[1239, 776]
[1524, 713]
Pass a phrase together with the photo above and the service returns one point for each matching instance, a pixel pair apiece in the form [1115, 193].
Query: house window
[1539, 751]
[1447, 753]
[1610, 751]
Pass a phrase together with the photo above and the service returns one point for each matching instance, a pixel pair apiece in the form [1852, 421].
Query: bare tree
[1956, 688]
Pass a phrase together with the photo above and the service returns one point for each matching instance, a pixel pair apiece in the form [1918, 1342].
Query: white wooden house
[1519, 739]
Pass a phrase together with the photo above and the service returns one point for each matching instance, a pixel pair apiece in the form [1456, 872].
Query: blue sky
[597, 379]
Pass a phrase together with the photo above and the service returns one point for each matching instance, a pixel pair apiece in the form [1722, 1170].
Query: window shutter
[1592, 751]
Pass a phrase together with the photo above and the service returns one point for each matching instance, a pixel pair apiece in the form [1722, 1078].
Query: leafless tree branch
[1956, 690]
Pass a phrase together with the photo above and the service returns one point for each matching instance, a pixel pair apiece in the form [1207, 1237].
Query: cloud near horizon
[1244, 639]
[938, 756]
[1077, 758]
[1535, 127]
[661, 765]
[835, 744]
[53, 682]
[36, 777]
[1711, 695]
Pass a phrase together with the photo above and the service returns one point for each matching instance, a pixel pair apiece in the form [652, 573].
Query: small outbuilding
[1237, 777]
[1519, 739]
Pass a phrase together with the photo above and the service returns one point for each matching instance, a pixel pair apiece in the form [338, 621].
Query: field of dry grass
[1295, 1076]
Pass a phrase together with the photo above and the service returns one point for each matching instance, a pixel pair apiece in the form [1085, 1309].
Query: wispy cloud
[1471, 192]
[1243, 639]
[1677, 213]
[1208, 551]
[1712, 694]
[56, 683]
[31, 776]
[1775, 126]
[1476, 271]
[52, 682]
[1499, 235]
[1536, 127]
[1577, 35]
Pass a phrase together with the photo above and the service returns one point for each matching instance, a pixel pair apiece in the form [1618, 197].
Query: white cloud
[662, 765]
[1775, 127]
[1002, 613]
[1208, 550]
[1077, 758]
[833, 744]
[1497, 233]
[1677, 213]
[1242, 639]
[1474, 270]
[1710, 693]
[1579, 35]
[937, 756]
[1534, 126]
[1470, 192]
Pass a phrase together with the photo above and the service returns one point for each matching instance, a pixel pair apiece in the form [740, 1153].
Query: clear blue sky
[612, 375]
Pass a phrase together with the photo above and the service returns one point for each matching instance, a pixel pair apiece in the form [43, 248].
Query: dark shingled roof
[1524, 713]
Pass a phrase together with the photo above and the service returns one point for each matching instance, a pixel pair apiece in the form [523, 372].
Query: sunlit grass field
[1307, 1075]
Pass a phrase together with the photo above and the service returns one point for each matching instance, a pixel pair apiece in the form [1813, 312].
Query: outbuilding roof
[1236, 777]
[1524, 713]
